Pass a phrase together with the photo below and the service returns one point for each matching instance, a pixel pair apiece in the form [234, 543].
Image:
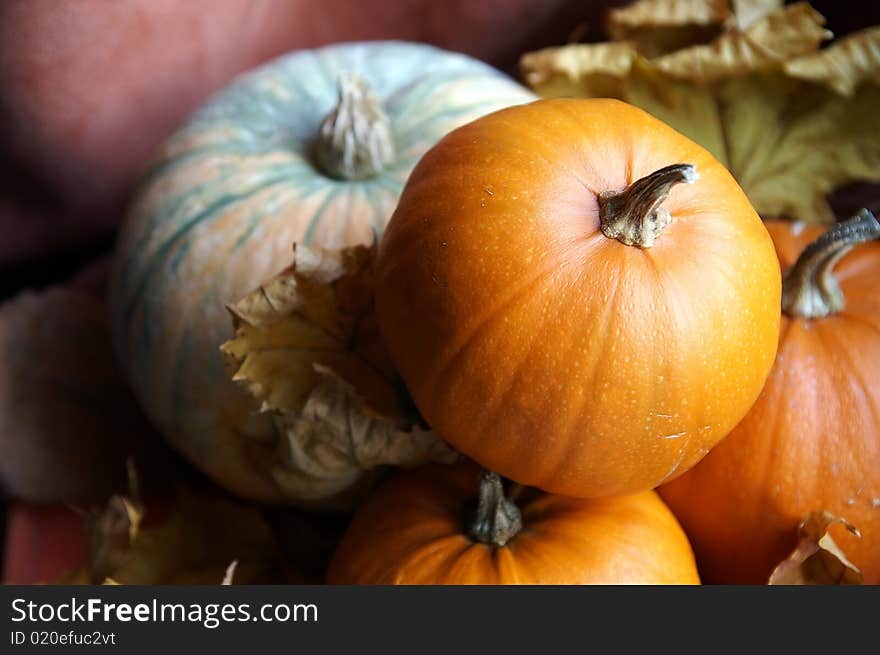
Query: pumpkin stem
[809, 288]
[634, 216]
[355, 142]
[497, 519]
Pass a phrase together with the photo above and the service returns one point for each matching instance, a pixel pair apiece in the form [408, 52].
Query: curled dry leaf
[655, 27]
[817, 560]
[204, 540]
[336, 440]
[766, 44]
[67, 419]
[844, 65]
[587, 70]
[790, 121]
[747, 12]
[308, 351]
[647, 14]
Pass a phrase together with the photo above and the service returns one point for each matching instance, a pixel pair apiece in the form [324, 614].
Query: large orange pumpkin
[812, 440]
[561, 320]
[452, 525]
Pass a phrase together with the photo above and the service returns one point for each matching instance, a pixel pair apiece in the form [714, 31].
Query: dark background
[72, 221]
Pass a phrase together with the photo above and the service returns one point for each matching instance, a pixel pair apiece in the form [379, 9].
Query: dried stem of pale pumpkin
[809, 288]
[355, 141]
[634, 216]
[497, 519]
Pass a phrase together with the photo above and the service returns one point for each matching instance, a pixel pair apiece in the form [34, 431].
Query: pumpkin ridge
[277, 202]
[328, 199]
[400, 102]
[842, 349]
[166, 165]
[178, 400]
[524, 139]
[857, 317]
[512, 296]
[564, 109]
[154, 218]
[447, 115]
[559, 460]
[822, 338]
[140, 240]
[160, 256]
[380, 215]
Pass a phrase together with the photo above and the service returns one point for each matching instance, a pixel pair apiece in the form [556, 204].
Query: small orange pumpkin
[437, 525]
[561, 313]
[812, 440]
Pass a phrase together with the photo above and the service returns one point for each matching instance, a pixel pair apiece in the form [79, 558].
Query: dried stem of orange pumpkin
[497, 519]
[634, 216]
[809, 288]
[355, 141]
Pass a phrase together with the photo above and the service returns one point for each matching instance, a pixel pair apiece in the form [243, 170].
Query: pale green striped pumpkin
[226, 197]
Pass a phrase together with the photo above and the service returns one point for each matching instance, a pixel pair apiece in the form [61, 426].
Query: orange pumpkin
[563, 311]
[451, 525]
[812, 440]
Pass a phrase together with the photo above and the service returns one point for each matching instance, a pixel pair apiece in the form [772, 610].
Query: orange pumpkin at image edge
[811, 442]
[432, 526]
[577, 296]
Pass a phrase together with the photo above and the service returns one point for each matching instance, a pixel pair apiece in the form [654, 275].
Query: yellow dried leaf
[308, 350]
[319, 310]
[747, 12]
[193, 545]
[662, 13]
[765, 45]
[788, 142]
[791, 144]
[597, 69]
[817, 560]
[658, 26]
[334, 442]
[844, 65]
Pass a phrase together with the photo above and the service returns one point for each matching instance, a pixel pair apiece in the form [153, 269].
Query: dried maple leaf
[817, 560]
[791, 122]
[319, 310]
[308, 350]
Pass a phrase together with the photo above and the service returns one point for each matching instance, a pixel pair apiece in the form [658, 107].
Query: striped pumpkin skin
[220, 207]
